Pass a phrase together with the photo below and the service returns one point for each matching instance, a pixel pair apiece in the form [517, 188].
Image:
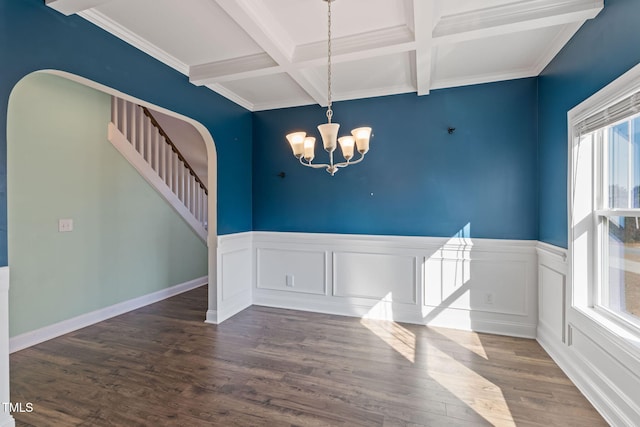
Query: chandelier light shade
[303, 146]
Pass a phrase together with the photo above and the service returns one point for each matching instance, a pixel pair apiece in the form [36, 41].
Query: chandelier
[303, 146]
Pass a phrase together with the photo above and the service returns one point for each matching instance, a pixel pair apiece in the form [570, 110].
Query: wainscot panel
[375, 276]
[234, 275]
[480, 284]
[292, 270]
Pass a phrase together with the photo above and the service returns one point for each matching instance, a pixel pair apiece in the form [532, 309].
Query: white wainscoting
[234, 276]
[479, 284]
[552, 276]
[596, 356]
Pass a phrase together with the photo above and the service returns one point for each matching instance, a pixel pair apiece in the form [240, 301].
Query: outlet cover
[290, 282]
[488, 298]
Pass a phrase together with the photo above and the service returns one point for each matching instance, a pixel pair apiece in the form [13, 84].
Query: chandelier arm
[314, 165]
[349, 162]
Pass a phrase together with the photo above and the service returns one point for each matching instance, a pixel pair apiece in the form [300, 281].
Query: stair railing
[148, 138]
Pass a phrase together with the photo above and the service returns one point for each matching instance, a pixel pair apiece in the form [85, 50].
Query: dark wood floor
[161, 365]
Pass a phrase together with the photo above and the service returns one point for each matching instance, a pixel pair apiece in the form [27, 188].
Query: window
[618, 219]
[604, 209]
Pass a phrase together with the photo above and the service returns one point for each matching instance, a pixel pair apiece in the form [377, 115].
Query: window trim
[585, 222]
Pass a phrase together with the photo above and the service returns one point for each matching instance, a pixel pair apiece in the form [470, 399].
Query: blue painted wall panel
[35, 37]
[417, 179]
[602, 50]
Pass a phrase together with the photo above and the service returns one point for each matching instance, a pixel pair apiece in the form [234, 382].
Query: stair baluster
[145, 135]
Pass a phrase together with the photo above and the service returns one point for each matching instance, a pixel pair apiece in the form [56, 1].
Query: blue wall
[602, 50]
[417, 179]
[34, 37]
[510, 142]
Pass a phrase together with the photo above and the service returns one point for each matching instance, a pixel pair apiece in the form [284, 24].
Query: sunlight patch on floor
[396, 336]
[472, 343]
[467, 385]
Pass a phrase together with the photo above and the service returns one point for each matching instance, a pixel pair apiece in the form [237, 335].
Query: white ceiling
[265, 54]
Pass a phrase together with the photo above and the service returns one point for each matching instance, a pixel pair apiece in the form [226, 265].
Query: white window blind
[619, 111]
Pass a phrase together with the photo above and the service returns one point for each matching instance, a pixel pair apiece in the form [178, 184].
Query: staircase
[136, 134]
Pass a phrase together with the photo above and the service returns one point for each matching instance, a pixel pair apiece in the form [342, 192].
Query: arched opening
[108, 210]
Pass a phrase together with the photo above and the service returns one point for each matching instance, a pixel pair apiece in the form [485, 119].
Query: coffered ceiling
[265, 54]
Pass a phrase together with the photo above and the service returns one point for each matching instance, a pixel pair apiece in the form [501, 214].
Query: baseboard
[456, 319]
[31, 338]
[211, 317]
[234, 305]
[482, 323]
[230, 308]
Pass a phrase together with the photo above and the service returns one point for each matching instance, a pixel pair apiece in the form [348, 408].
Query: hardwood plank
[162, 365]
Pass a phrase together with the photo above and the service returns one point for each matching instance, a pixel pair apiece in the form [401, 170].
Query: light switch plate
[65, 225]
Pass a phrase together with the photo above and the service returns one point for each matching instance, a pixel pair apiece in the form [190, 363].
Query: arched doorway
[211, 265]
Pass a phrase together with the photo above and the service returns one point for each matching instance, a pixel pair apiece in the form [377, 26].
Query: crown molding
[231, 96]
[374, 92]
[345, 96]
[484, 78]
[264, 106]
[109, 25]
[69, 7]
[556, 45]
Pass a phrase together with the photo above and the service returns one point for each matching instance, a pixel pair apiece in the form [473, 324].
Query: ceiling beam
[423, 29]
[256, 20]
[350, 48]
[514, 17]
[244, 67]
[69, 7]
[355, 47]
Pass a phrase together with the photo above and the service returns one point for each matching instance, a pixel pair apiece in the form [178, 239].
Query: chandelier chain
[329, 110]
